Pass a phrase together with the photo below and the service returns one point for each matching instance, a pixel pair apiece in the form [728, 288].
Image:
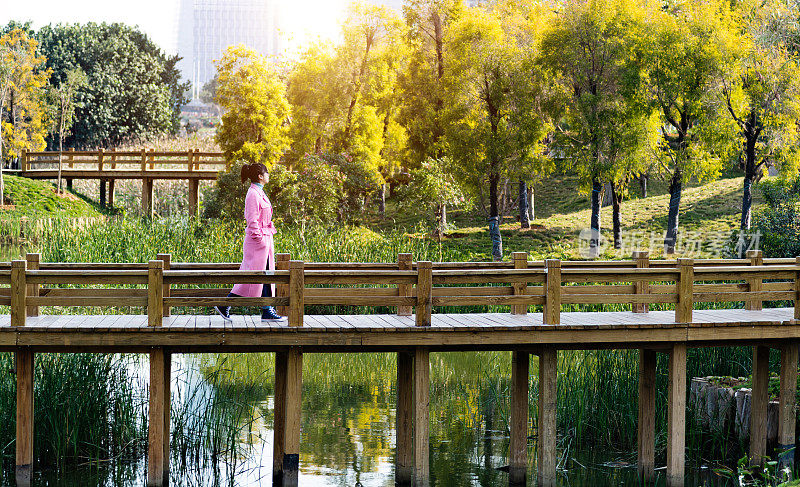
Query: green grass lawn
[38, 199]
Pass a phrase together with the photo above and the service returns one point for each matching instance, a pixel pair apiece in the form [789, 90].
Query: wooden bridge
[409, 292]
[108, 166]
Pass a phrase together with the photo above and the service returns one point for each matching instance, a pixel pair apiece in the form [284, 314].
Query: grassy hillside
[708, 214]
[38, 199]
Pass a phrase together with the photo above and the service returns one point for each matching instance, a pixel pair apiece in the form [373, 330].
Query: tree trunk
[494, 180]
[675, 189]
[441, 220]
[531, 211]
[616, 199]
[643, 184]
[382, 201]
[2, 182]
[60, 156]
[594, 238]
[523, 205]
[749, 177]
[497, 239]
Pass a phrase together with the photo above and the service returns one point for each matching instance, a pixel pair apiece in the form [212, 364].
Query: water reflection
[222, 426]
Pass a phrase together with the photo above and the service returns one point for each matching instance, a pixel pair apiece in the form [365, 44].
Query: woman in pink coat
[258, 248]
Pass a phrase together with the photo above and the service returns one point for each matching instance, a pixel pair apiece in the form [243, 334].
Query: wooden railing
[163, 285]
[112, 160]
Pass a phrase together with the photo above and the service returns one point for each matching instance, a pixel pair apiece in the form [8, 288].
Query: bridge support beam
[147, 197]
[286, 444]
[194, 196]
[24, 442]
[518, 445]
[404, 456]
[159, 418]
[111, 193]
[546, 449]
[647, 414]
[758, 405]
[422, 371]
[69, 184]
[788, 403]
[102, 192]
[676, 416]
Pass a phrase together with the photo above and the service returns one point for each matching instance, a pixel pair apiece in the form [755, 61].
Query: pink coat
[258, 248]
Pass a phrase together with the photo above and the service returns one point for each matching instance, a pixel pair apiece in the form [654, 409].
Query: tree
[134, 90]
[433, 187]
[682, 52]
[254, 126]
[601, 127]
[23, 113]
[761, 92]
[66, 104]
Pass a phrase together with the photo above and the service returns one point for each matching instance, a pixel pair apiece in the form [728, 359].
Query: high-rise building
[207, 27]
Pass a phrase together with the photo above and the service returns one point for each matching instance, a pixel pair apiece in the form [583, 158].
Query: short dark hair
[251, 171]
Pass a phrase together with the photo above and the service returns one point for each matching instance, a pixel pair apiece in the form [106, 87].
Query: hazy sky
[303, 19]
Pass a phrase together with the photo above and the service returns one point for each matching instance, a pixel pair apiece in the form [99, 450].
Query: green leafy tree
[433, 188]
[66, 104]
[601, 127]
[761, 92]
[255, 123]
[682, 51]
[133, 89]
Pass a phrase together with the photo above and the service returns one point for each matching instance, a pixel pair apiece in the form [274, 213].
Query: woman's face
[263, 178]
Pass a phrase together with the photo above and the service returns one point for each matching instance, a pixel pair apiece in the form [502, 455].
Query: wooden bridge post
[19, 291]
[190, 159]
[296, 293]
[282, 290]
[518, 445]
[152, 158]
[158, 418]
[194, 196]
[155, 292]
[788, 402]
[424, 293]
[755, 284]
[422, 371]
[758, 405]
[547, 456]
[147, 197]
[71, 161]
[520, 262]
[552, 291]
[143, 160]
[685, 285]
[404, 263]
[167, 260]
[24, 433]
[33, 289]
[404, 455]
[642, 260]
[676, 416]
[288, 389]
[23, 164]
[111, 192]
[647, 414]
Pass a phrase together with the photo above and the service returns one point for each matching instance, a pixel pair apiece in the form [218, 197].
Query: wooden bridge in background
[108, 166]
[409, 292]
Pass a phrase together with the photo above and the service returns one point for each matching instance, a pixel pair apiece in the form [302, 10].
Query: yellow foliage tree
[23, 109]
[255, 121]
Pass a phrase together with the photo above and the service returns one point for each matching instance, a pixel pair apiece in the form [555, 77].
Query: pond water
[348, 417]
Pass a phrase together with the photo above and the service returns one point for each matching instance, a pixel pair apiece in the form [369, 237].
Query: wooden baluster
[518, 445]
[25, 420]
[788, 402]
[404, 457]
[520, 289]
[755, 284]
[759, 399]
[676, 416]
[647, 414]
[167, 260]
[113, 158]
[152, 158]
[404, 263]
[19, 290]
[24, 162]
[155, 292]
[642, 260]
[143, 156]
[552, 291]
[546, 449]
[33, 289]
[424, 293]
[683, 310]
[190, 159]
[100, 159]
[797, 289]
[71, 158]
[296, 292]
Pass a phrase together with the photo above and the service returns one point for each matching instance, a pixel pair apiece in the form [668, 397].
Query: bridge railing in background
[112, 160]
